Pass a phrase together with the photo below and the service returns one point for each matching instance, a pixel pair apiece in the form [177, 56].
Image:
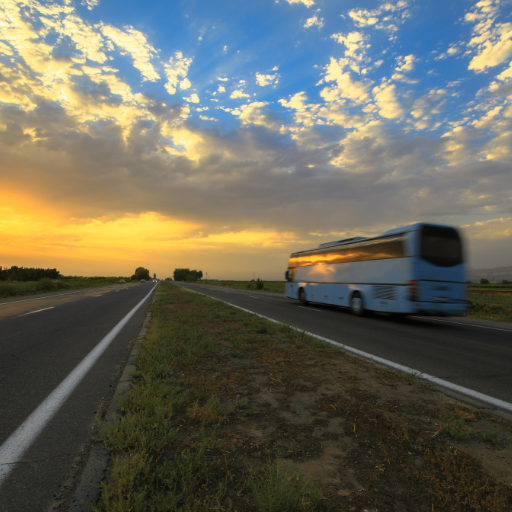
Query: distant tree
[506, 281]
[484, 281]
[154, 276]
[141, 273]
[185, 274]
[168, 278]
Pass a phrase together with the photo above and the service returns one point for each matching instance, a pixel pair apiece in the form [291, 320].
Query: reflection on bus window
[364, 251]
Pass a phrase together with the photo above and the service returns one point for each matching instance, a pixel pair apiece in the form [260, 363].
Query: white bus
[417, 269]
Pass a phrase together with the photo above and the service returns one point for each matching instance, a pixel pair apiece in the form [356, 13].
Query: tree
[185, 274]
[484, 281]
[154, 276]
[141, 273]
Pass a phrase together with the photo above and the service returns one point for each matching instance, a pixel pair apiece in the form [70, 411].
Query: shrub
[484, 281]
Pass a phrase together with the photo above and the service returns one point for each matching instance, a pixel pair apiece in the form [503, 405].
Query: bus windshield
[441, 246]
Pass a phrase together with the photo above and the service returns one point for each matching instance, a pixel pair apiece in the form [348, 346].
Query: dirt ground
[373, 439]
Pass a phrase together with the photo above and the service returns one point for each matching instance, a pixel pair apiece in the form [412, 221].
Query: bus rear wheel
[357, 304]
[302, 297]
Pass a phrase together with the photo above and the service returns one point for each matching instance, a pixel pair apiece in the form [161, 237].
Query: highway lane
[473, 354]
[37, 352]
[28, 304]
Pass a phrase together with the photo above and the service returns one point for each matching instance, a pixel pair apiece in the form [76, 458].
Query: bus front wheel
[302, 297]
[357, 304]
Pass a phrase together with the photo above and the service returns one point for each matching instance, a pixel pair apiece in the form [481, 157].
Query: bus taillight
[412, 291]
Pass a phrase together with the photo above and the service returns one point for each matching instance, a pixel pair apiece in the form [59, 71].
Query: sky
[225, 135]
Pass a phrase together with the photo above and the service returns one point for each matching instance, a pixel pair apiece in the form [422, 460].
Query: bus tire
[357, 304]
[302, 297]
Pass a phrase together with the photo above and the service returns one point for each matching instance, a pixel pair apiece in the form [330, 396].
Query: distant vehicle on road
[142, 280]
[417, 269]
[122, 281]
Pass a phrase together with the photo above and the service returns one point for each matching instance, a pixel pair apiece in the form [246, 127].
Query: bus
[417, 269]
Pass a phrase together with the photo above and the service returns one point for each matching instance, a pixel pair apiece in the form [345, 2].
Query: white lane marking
[411, 371]
[253, 297]
[53, 295]
[19, 441]
[460, 323]
[311, 309]
[32, 312]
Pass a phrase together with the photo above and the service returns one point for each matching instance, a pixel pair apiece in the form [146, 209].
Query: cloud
[355, 43]
[404, 65]
[491, 41]
[307, 3]
[176, 72]
[346, 88]
[263, 80]
[134, 43]
[90, 3]
[239, 94]
[310, 22]
[221, 89]
[204, 118]
[256, 114]
[193, 98]
[296, 102]
[387, 102]
[388, 17]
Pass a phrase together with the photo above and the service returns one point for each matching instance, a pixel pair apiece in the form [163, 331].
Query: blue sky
[228, 134]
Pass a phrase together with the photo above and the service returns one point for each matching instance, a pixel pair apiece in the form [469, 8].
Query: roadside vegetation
[228, 412]
[46, 285]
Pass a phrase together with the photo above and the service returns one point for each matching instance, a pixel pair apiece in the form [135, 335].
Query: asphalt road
[42, 339]
[470, 353]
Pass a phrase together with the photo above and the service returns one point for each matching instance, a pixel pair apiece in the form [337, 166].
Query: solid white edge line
[20, 440]
[420, 375]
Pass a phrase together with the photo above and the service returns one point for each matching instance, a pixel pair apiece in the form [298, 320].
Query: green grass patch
[276, 490]
[492, 307]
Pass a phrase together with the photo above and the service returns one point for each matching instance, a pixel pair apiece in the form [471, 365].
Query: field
[16, 289]
[230, 412]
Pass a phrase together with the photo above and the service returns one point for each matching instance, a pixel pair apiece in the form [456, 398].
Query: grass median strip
[230, 412]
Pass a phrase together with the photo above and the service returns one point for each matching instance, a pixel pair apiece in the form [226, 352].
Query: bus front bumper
[440, 308]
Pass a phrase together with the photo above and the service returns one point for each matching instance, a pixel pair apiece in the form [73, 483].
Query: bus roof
[358, 239]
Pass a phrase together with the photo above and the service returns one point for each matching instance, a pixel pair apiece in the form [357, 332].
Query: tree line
[28, 274]
[185, 274]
